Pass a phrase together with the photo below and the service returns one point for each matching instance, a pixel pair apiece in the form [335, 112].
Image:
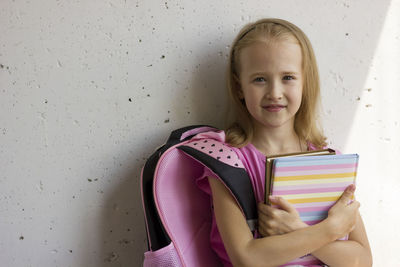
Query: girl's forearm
[351, 254]
[354, 252]
[280, 249]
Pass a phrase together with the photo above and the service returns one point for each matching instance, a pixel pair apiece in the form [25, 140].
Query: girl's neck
[280, 140]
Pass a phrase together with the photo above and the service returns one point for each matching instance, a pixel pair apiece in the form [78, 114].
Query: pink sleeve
[202, 181]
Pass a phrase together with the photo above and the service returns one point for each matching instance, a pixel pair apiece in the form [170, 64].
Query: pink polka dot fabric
[217, 150]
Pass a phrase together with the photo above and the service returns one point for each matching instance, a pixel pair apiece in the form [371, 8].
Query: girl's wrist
[330, 229]
[301, 225]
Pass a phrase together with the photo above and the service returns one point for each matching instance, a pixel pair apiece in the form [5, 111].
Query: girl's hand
[342, 217]
[273, 221]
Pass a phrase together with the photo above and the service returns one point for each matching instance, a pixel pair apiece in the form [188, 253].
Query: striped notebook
[312, 184]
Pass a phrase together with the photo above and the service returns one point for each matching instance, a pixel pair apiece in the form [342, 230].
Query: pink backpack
[177, 212]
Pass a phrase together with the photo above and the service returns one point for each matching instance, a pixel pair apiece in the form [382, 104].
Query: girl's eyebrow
[282, 73]
[258, 73]
[290, 72]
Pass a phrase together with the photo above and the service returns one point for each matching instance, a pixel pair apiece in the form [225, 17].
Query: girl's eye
[288, 78]
[259, 79]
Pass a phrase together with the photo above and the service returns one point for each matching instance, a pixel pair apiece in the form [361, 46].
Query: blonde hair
[240, 131]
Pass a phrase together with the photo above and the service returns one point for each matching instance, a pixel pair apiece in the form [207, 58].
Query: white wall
[89, 88]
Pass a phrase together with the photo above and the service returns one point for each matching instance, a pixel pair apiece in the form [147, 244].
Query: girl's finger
[283, 204]
[261, 207]
[345, 199]
[264, 209]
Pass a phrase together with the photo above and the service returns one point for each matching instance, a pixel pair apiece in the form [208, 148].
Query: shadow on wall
[122, 231]
[122, 228]
[208, 88]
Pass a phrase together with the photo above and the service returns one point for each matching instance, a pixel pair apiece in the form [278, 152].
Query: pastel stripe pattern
[313, 184]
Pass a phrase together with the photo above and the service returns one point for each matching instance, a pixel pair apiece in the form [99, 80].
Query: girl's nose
[274, 92]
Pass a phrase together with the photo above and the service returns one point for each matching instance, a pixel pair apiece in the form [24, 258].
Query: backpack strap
[225, 163]
[156, 233]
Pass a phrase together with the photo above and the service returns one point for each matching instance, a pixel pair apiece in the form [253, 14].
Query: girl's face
[271, 82]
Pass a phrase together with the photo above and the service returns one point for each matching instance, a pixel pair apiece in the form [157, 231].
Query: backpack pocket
[164, 257]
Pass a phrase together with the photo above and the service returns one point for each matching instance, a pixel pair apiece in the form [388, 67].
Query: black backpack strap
[235, 178]
[158, 237]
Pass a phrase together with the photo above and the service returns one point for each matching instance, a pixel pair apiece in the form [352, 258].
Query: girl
[274, 84]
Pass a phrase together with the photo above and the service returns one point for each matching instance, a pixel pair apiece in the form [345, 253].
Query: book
[270, 160]
[312, 184]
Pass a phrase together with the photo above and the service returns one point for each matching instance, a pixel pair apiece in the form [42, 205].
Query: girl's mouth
[274, 108]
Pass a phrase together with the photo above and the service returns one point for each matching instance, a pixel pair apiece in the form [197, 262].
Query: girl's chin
[275, 124]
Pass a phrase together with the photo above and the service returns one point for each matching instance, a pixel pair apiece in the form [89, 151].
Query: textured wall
[89, 88]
